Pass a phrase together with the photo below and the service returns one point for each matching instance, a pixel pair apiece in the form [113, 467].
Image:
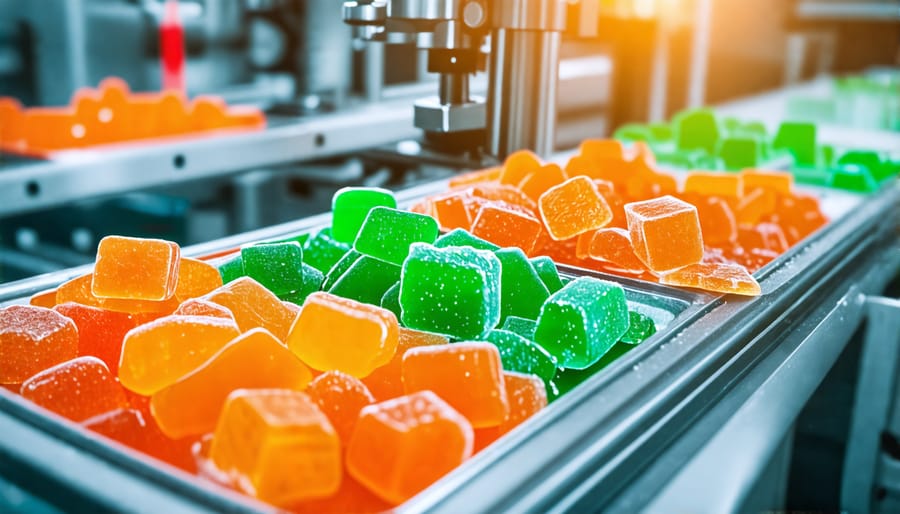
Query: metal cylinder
[454, 88]
[524, 67]
[323, 57]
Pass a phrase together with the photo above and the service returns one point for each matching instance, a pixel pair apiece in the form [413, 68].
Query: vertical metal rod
[699, 54]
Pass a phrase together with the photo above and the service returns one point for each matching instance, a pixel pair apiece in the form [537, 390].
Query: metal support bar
[875, 392]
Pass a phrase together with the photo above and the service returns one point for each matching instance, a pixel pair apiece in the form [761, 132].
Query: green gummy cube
[878, 168]
[522, 326]
[277, 266]
[640, 327]
[366, 280]
[738, 153]
[322, 251]
[452, 291]
[391, 300]
[520, 354]
[800, 139]
[312, 282]
[231, 269]
[633, 132]
[339, 268]
[460, 237]
[568, 379]
[582, 321]
[546, 269]
[699, 128]
[811, 176]
[853, 177]
[387, 233]
[522, 293]
[351, 205]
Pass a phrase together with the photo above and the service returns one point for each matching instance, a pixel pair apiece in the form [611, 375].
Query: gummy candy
[136, 269]
[665, 233]
[573, 207]
[76, 389]
[100, 332]
[33, 339]
[253, 306]
[387, 233]
[341, 397]
[386, 381]
[351, 205]
[506, 227]
[519, 354]
[276, 266]
[723, 278]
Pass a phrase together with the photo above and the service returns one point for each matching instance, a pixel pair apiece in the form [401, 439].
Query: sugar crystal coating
[665, 233]
[135, 269]
[76, 389]
[351, 205]
[387, 233]
[33, 339]
[573, 207]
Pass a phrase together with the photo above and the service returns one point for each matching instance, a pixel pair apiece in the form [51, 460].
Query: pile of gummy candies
[343, 371]
[611, 209]
[112, 113]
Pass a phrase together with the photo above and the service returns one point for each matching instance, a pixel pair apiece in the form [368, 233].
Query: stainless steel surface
[323, 56]
[521, 110]
[542, 15]
[435, 116]
[876, 395]
[83, 174]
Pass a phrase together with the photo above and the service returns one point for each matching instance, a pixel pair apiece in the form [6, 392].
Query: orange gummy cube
[78, 290]
[402, 446]
[334, 333]
[573, 207]
[527, 395]
[717, 277]
[714, 183]
[136, 269]
[196, 278]
[542, 179]
[505, 227]
[76, 389]
[100, 332]
[450, 211]
[517, 166]
[602, 149]
[201, 307]
[781, 182]
[613, 246]
[468, 376]
[768, 236]
[754, 205]
[341, 397]
[44, 299]
[386, 382]
[665, 233]
[33, 339]
[255, 360]
[505, 193]
[717, 220]
[278, 445]
[254, 306]
[158, 353]
[476, 177]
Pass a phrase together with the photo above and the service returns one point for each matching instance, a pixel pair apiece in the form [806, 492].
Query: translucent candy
[453, 291]
[254, 306]
[195, 278]
[334, 333]
[76, 389]
[523, 327]
[387, 233]
[78, 290]
[613, 246]
[201, 307]
[476, 177]
[255, 360]
[367, 280]
[572, 208]
[33, 339]
[401, 446]
[341, 397]
[277, 266]
[157, 354]
[527, 396]
[450, 211]
[582, 321]
[517, 166]
[322, 251]
[722, 278]
[461, 237]
[665, 233]
[640, 327]
[339, 268]
[519, 354]
[231, 268]
[506, 227]
[44, 299]
[468, 376]
[278, 445]
[312, 280]
[781, 182]
[546, 269]
[542, 179]
[522, 291]
[135, 269]
[386, 381]
[714, 183]
[754, 205]
[390, 300]
[100, 332]
[351, 205]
